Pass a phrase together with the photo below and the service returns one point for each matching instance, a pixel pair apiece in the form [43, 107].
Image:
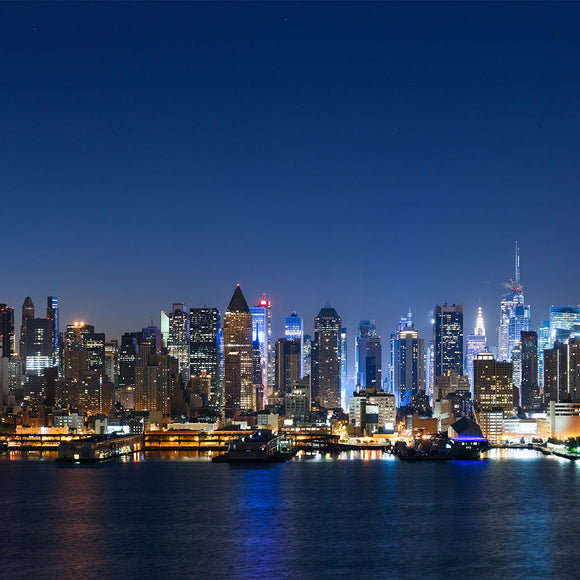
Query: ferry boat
[260, 447]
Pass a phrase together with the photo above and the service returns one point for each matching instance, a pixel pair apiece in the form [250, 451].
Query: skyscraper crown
[238, 302]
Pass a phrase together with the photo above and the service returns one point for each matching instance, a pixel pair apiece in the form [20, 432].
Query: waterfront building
[408, 360]
[294, 330]
[448, 339]
[564, 419]
[514, 316]
[178, 338]
[493, 384]
[562, 321]
[238, 354]
[205, 343]
[372, 411]
[474, 344]
[326, 358]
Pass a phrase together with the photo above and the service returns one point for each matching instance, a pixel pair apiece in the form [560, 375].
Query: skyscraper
[514, 316]
[27, 312]
[529, 388]
[205, 338]
[128, 354]
[343, 360]
[408, 360]
[294, 330]
[52, 315]
[474, 344]
[178, 339]
[288, 355]
[38, 347]
[7, 343]
[307, 356]
[326, 359]
[260, 337]
[543, 343]
[448, 339]
[368, 356]
[562, 321]
[238, 354]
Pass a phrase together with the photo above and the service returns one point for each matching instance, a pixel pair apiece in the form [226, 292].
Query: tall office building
[408, 360]
[153, 381]
[294, 330]
[164, 327]
[27, 312]
[448, 339]
[178, 338]
[52, 315]
[262, 317]
[238, 354]
[205, 338]
[493, 383]
[7, 342]
[563, 319]
[474, 344]
[326, 358]
[76, 353]
[112, 362]
[368, 356]
[514, 316]
[529, 387]
[152, 335]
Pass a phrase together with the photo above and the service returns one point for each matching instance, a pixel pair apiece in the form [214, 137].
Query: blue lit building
[368, 356]
[543, 344]
[562, 322]
[474, 344]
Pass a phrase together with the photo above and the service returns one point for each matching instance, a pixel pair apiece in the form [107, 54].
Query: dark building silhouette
[27, 312]
[7, 344]
[288, 362]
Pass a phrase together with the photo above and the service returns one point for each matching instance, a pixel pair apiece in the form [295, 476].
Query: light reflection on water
[353, 514]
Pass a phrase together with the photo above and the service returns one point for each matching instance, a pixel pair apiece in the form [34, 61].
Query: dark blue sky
[378, 156]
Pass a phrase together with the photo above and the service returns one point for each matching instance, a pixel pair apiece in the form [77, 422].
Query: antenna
[517, 265]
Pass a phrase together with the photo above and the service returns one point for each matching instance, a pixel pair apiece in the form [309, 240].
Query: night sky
[377, 156]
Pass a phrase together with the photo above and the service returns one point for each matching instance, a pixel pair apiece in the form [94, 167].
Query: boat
[260, 447]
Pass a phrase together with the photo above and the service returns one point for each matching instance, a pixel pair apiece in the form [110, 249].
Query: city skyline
[136, 136]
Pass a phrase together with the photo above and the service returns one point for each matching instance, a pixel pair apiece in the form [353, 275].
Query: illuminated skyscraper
[408, 360]
[307, 356]
[448, 339]
[474, 344]
[294, 330]
[342, 357]
[514, 316]
[128, 355]
[562, 321]
[205, 338]
[262, 315]
[238, 354]
[178, 339]
[543, 343]
[326, 359]
[52, 315]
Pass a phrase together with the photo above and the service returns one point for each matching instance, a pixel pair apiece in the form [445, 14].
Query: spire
[517, 265]
[409, 318]
[238, 302]
[479, 326]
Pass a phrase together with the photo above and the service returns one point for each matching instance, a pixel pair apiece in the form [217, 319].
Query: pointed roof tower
[238, 302]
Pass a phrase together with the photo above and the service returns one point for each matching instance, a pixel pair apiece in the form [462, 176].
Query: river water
[514, 515]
